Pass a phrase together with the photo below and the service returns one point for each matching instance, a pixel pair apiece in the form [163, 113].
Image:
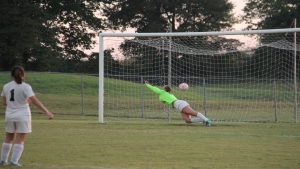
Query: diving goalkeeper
[189, 115]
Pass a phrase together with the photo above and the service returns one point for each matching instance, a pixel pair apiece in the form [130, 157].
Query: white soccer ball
[183, 86]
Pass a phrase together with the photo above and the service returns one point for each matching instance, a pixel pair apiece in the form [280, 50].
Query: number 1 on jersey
[12, 95]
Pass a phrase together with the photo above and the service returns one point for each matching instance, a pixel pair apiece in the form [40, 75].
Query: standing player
[189, 115]
[16, 98]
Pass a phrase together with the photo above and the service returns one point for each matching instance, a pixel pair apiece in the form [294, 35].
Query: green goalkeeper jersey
[164, 96]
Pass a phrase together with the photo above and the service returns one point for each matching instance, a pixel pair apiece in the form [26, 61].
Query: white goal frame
[180, 34]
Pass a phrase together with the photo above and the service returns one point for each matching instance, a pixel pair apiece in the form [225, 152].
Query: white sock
[200, 115]
[17, 152]
[196, 119]
[5, 151]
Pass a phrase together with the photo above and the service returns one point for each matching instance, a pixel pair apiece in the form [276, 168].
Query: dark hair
[18, 74]
[167, 88]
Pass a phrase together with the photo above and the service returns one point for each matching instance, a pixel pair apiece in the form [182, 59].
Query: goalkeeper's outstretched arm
[153, 88]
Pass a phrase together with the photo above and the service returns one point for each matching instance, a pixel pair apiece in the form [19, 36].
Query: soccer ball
[183, 86]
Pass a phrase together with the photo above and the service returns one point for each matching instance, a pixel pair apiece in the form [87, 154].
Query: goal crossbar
[177, 34]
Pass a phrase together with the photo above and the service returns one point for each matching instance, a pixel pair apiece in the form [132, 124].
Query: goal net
[232, 76]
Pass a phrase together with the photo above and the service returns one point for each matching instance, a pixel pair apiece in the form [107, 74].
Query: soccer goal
[232, 75]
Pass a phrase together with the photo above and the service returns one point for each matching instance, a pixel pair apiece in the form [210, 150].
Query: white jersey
[17, 107]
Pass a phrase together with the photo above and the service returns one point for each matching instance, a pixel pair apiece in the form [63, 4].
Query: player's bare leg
[186, 117]
[196, 116]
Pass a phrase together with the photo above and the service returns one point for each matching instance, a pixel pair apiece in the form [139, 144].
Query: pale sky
[238, 11]
[238, 6]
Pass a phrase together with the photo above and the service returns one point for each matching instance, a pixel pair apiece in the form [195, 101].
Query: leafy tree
[270, 14]
[157, 15]
[17, 32]
[38, 33]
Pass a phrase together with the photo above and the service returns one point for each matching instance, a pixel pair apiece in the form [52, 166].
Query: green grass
[61, 93]
[80, 142]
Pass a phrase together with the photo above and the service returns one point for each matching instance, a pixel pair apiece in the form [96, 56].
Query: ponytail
[18, 74]
[167, 88]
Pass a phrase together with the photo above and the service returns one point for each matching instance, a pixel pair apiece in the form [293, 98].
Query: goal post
[231, 78]
[101, 79]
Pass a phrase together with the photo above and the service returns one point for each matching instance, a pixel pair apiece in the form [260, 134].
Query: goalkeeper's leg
[189, 115]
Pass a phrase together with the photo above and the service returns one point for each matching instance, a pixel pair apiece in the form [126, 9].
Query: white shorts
[180, 104]
[18, 126]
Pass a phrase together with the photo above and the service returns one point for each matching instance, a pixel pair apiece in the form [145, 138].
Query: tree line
[53, 35]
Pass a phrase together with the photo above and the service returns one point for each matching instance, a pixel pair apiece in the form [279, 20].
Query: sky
[238, 11]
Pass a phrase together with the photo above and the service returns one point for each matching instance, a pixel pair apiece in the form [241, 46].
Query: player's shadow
[202, 125]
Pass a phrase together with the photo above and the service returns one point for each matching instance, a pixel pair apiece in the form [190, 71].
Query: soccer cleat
[15, 164]
[208, 123]
[2, 163]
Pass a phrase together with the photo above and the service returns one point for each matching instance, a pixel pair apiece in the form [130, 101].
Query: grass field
[80, 142]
